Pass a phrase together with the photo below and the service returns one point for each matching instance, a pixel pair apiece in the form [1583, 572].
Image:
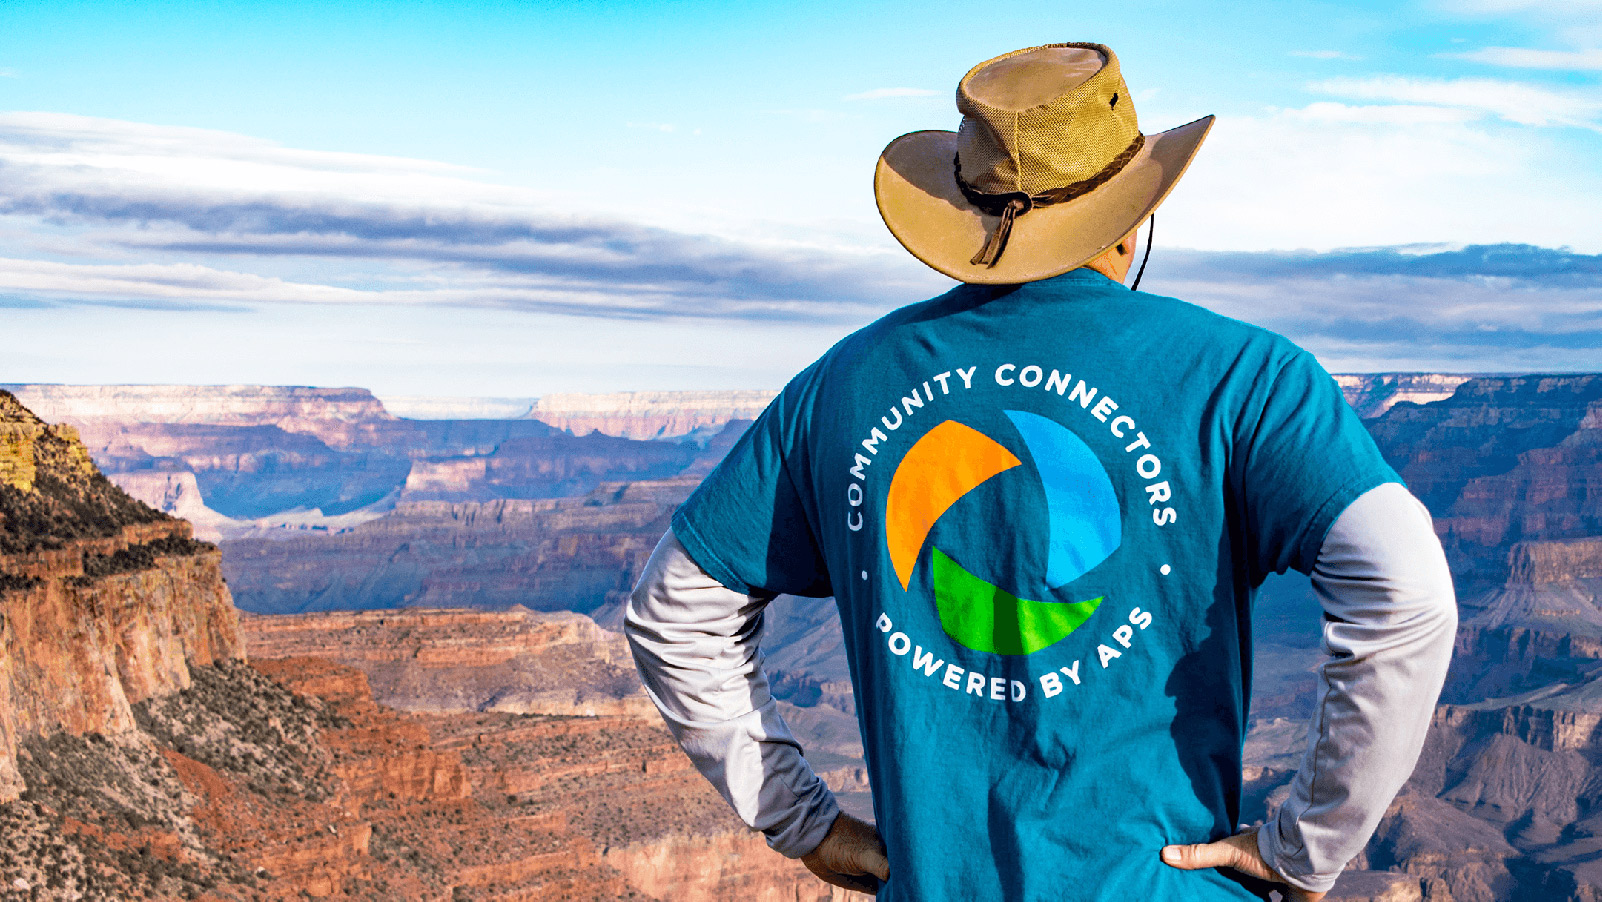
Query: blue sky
[518, 198]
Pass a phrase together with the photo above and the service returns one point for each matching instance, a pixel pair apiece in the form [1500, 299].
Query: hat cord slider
[1013, 204]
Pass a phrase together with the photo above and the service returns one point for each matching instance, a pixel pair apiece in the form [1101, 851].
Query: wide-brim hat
[1048, 170]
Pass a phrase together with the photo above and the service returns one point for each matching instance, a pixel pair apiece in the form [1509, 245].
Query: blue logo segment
[1086, 524]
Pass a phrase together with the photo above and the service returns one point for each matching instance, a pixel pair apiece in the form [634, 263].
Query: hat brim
[916, 189]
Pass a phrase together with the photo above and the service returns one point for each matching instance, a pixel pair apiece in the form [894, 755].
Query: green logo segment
[987, 618]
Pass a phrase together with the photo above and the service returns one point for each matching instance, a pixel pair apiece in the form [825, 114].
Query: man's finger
[855, 882]
[1202, 855]
[872, 861]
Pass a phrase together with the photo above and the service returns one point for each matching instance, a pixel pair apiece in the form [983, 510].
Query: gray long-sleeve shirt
[1390, 617]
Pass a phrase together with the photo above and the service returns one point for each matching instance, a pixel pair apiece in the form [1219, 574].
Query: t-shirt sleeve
[1304, 460]
[747, 524]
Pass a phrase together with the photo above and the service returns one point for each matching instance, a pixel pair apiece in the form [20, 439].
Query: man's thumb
[1202, 855]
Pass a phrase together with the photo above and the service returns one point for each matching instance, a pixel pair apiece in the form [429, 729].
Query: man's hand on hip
[851, 855]
[1238, 852]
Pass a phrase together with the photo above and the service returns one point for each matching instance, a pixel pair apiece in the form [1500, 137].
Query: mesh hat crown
[1048, 169]
[1033, 122]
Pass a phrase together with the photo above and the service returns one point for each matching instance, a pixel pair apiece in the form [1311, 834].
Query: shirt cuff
[1268, 846]
[805, 826]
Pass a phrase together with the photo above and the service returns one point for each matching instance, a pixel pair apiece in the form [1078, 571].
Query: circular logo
[1083, 523]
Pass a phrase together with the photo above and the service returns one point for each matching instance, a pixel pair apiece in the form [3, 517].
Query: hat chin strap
[1013, 204]
[1151, 229]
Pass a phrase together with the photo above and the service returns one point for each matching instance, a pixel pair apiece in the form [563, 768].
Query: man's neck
[1108, 266]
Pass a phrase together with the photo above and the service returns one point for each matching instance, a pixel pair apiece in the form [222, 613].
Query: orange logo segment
[950, 461]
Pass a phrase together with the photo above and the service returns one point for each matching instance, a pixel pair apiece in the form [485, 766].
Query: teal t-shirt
[1043, 511]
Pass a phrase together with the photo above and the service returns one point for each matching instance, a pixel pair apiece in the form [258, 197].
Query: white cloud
[883, 93]
[8, 73]
[1529, 58]
[1518, 102]
[1402, 114]
[1336, 175]
[180, 282]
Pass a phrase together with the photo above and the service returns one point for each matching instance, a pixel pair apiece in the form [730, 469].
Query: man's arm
[695, 643]
[1390, 620]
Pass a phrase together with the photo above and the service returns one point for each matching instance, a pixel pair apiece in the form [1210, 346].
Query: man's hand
[1238, 852]
[851, 855]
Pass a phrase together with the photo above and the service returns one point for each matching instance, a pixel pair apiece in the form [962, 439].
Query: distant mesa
[433, 407]
[650, 415]
[333, 415]
[1371, 394]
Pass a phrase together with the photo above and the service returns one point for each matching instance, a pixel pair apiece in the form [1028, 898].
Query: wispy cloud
[884, 93]
[1530, 58]
[185, 219]
[1517, 102]
[1478, 307]
[125, 190]
[8, 73]
[1324, 55]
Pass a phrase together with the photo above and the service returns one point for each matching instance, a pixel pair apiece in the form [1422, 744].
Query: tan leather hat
[1048, 169]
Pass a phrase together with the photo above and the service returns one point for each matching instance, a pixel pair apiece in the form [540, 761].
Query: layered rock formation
[275, 459]
[624, 788]
[103, 602]
[1555, 587]
[525, 662]
[284, 780]
[1504, 460]
[514, 661]
[575, 554]
[1503, 803]
[650, 415]
[140, 758]
[338, 417]
[578, 554]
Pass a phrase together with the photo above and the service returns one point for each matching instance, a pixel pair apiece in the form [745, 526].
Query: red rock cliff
[103, 602]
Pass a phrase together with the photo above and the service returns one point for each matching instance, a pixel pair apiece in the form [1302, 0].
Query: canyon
[143, 757]
[533, 529]
[258, 460]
